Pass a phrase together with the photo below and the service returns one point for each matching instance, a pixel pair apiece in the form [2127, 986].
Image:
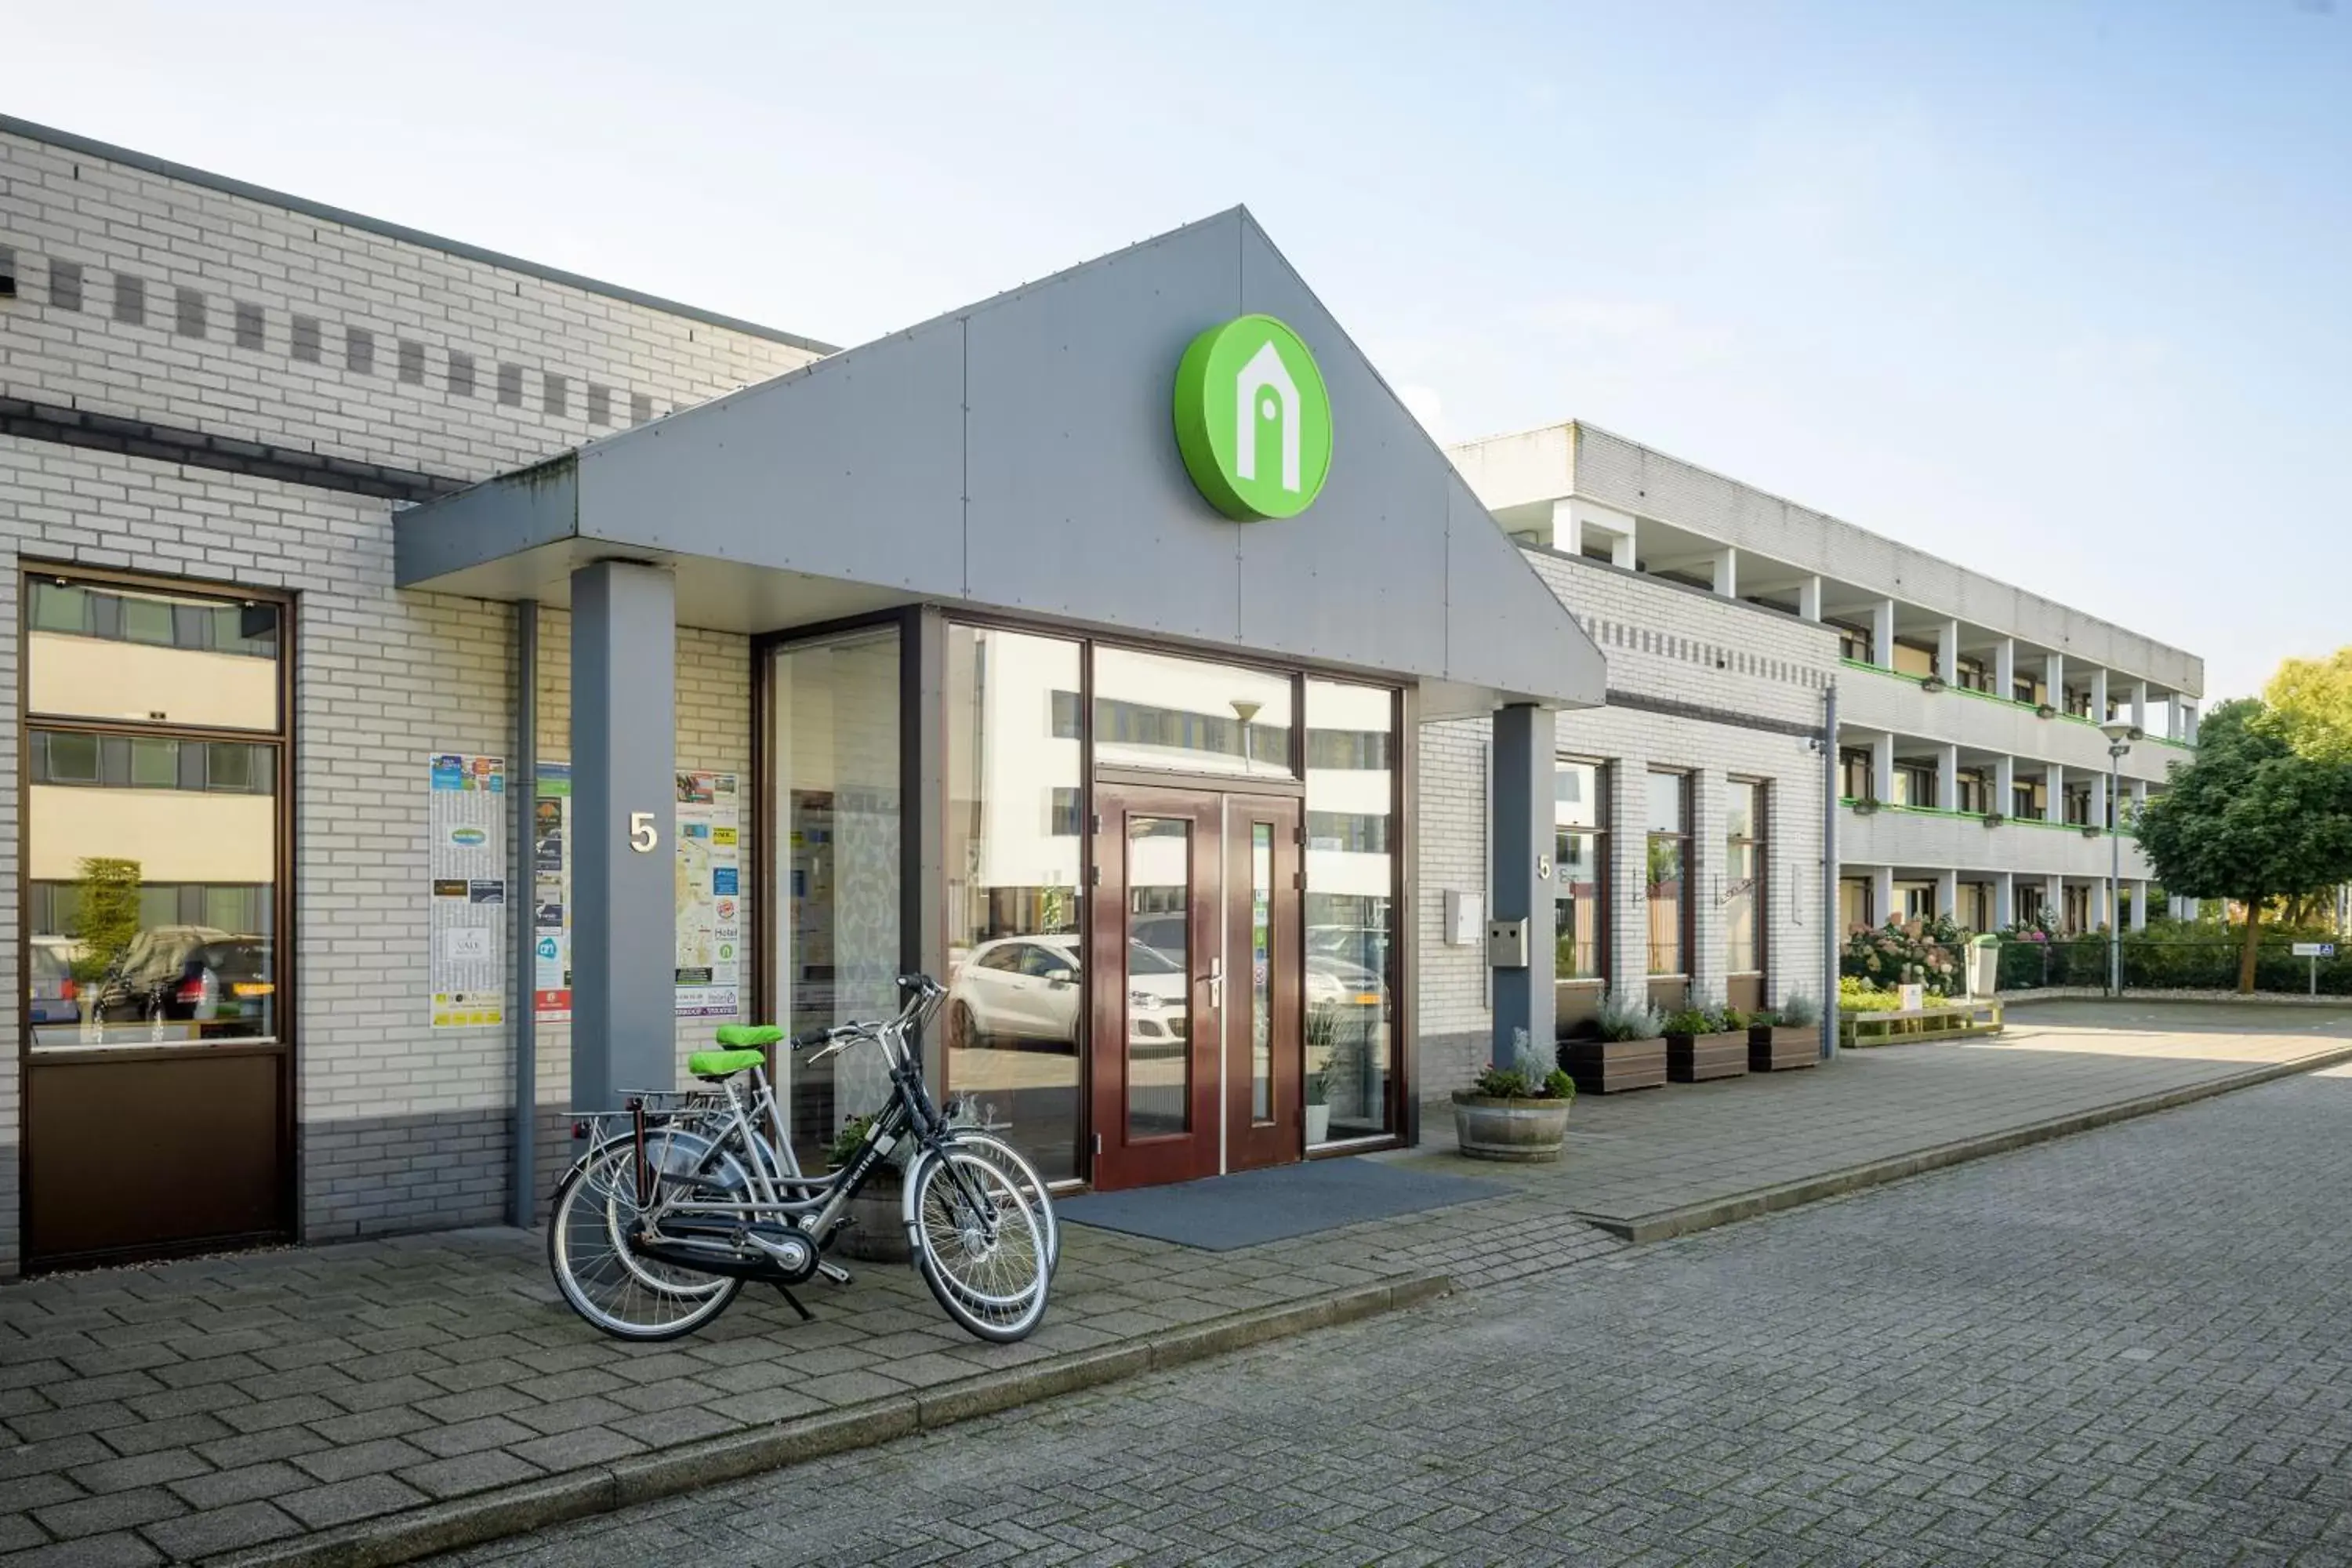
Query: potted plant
[1518, 1113]
[2046, 711]
[1704, 1043]
[1994, 820]
[876, 1231]
[1931, 683]
[1786, 1038]
[1867, 805]
[1628, 1049]
[1323, 1054]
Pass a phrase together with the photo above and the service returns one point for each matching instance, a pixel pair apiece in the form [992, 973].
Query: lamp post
[2120, 734]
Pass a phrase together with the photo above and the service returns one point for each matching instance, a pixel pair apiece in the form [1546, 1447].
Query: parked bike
[683, 1198]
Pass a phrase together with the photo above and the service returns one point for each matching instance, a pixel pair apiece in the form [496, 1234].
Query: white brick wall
[113, 220]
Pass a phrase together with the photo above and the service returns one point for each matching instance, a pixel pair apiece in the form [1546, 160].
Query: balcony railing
[1998, 700]
[1857, 802]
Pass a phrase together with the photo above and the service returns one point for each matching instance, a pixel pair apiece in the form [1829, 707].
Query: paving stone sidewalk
[187, 1410]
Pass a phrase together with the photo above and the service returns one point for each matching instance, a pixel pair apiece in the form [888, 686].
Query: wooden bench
[1902, 1026]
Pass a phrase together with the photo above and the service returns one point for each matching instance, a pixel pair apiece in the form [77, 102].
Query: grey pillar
[623, 832]
[1522, 841]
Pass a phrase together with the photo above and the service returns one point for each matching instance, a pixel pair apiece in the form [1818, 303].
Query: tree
[2310, 706]
[2252, 818]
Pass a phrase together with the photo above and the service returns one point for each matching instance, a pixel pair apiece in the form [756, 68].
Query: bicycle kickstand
[786, 1293]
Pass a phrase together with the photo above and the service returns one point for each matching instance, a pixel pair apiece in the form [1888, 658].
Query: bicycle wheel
[979, 1246]
[628, 1296]
[1025, 1181]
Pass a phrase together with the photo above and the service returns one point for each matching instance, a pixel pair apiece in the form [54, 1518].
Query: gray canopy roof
[1019, 456]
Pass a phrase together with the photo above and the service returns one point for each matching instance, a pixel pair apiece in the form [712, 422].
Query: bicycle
[682, 1199]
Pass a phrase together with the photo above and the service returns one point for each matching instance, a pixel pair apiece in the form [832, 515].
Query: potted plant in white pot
[1788, 1037]
[1628, 1049]
[1323, 1069]
[1517, 1113]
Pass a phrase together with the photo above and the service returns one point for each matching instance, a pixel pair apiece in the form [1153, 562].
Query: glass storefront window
[1155, 711]
[1743, 878]
[1351, 842]
[151, 657]
[1580, 856]
[835, 723]
[1669, 904]
[1016, 1006]
[152, 856]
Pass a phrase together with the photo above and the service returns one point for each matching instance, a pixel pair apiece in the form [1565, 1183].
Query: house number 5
[642, 836]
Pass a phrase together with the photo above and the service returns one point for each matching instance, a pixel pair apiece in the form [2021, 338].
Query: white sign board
[2314, 950]
[466, 861]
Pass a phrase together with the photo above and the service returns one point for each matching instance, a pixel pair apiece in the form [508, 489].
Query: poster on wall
[710, 896]
[466, 863]
[551, 894]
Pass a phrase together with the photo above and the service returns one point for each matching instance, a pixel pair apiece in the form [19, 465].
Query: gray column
[2099, 697]
[2054, 675]
[1882, 894]
[1566, 528]
[1808, 599]
[1947, 778]
[2139, 705]
[623, 827]
[2004, 786]
[1622, 549]
[1725, 572]
[2004, 899]
[2053, 803]
[1882, 769]
[2139, 905]
[2004, 670]
[1522, 841]
[1629, 878]
[1947, 894]
[1948, 652]
[1882, 633]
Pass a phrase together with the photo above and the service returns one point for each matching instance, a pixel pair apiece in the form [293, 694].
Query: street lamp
[1245, 710]
[2120, 734]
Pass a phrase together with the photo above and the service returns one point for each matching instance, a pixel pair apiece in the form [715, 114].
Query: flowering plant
[1923, 952]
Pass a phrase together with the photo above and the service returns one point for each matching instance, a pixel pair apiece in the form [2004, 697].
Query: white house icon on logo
[1263, 390]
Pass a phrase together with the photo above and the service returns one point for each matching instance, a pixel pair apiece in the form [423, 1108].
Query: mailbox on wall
[1507, 944]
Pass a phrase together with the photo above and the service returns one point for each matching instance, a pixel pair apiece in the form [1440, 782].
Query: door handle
[1217, 983]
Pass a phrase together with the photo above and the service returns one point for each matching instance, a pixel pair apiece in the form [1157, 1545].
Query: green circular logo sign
[1253, 419]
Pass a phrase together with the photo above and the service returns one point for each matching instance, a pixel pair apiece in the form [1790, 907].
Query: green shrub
[1923, 952]
[1859, 996]
[1690, 1021]
[1797, 1011]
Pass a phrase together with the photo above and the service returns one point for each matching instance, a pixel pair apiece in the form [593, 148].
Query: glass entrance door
[1196, 973]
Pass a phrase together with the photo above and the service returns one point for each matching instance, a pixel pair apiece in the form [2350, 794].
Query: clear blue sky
[2060, 288]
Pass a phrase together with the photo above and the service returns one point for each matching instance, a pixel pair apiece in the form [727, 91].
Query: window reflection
[1668, 901]
[1743, 878]
[1159, 958]
[148, 656]
[1152, 710]
[1016, 1004]
[1580, 850]
[1349, 902]
[835, 723]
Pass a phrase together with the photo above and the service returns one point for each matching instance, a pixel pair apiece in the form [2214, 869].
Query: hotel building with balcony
[1974, 773]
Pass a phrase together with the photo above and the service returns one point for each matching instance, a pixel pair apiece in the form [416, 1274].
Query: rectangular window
[511, 385]
[1912, 659]
[1064, 723]
[65, 284]
[188, 312]
[1015, 937]
[1156, 711]
[412, 361]
[1974, 674]
[1976, 791]
[129, 299]
[1580, 871]
[1744, 867]
[554, 395]
[461, 375]
[1350, 901]
[359, 351]
[1914, 785]
[151, 855]
[600, 405]
[1669, 871]
[1854, 642]
[2025, 800]
[641, 408]
[249, 327]
[1853, 769]
[1853, 903]
[306, 339]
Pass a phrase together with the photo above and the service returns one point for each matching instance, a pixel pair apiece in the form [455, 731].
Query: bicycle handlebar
[921, 995]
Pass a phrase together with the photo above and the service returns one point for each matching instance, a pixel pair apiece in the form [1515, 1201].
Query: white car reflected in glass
[1024, 991]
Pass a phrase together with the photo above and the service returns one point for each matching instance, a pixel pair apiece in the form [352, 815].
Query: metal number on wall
[642, 835]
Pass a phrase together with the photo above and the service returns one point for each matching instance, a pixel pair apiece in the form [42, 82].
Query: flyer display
[551, 894]
[709, 895]
[466, 863]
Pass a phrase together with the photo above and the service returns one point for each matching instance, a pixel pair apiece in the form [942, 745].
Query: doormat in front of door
[1223, 1212]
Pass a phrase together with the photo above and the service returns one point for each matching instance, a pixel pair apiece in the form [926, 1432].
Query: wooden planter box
[1776, 1048]
[1609, 1067]
[1695, 1058]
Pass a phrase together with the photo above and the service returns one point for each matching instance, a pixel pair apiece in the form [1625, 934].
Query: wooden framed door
[1264, 1124]
[1158, 975]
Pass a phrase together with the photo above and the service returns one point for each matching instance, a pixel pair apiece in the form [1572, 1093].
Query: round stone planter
[1525, 1131]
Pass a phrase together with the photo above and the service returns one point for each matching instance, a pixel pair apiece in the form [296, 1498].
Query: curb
[600, 1489]
[1669, 1223]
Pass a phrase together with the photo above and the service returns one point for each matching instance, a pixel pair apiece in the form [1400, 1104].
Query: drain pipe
[1830, 871]
[522, 781]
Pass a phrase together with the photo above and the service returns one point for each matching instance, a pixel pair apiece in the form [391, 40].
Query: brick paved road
[2134, 1346]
